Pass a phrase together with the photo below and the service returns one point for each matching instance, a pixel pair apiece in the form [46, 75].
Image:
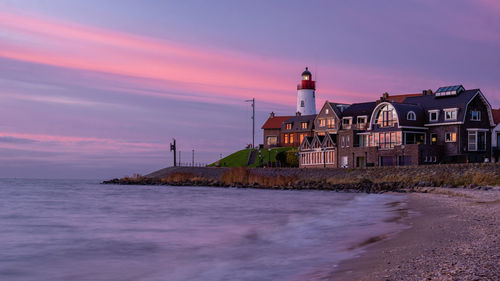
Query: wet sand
[453, 234]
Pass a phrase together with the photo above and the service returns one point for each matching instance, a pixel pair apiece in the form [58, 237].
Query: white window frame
[411, 116]
[478, 116]
[451, 110]
[350, 122]
[472, 146]
[430, 115]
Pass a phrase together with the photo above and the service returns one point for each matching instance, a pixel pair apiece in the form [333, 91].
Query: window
[433, 115]
[363, 140]
[477, 141]
[414, 138]
[301, 103]
[450, 114]
[472, 141]
[289, 126]
[304, 125]
[451, 137]
[286, 138]
[346, 123]
[386, 116]
[327, 111]
[348, 141]
[291, 138]
[330, 122]
[342, 142]
[272, 140]
[301, 137]
[411, 116]
[322, 122]
[475, 115]
[361, 122]
[434, 138]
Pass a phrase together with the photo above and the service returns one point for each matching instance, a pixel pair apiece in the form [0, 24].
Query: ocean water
[81, 230]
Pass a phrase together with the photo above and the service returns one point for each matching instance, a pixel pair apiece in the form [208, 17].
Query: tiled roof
[496, 116]
[275, 122]
[360, 109]
[296, 122]
[401, 98]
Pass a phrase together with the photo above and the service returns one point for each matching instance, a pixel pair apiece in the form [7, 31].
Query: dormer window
[475, 115]
[450, 114]
[346, 123]
[411, 116]
[433, 115]
[289, 126]
[303, 125]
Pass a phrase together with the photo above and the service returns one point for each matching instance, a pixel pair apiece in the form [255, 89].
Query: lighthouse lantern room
[306, 100]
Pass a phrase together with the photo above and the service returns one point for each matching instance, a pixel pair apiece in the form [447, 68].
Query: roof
[496, 115]
[333, 105]
[401, 98]
[275, 122]
[430, 102]
[297, 121]
[450, 88]
[403, 109]
[306, 72]
[359, 109]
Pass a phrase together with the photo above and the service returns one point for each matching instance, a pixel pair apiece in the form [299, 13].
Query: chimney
[384, 97]
[427, 92]
[298, 113]
[271, 115]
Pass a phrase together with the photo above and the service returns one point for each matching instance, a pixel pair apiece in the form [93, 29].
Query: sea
[83, 230]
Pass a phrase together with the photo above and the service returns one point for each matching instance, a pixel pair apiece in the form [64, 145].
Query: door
[386, 161]
[360, 162]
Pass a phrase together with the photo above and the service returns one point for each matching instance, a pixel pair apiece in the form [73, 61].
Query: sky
[98, 89]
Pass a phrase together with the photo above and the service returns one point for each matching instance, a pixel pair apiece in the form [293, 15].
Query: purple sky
[97, 89]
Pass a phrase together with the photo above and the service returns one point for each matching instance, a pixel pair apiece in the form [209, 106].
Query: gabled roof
[275, 122]
[496, 116]
[333, 105]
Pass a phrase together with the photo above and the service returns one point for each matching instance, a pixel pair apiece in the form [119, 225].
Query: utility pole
[253, 121]
[192, 160]
[173, 148]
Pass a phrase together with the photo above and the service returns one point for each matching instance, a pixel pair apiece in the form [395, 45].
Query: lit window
[327, 111]
[451, 137]
[330, 122]
[322, 122]
[289, 126]
[301, 137]
[286, 138]
[434, 138]
[346, 123]
[475, 115]
[411, 116]
[386, 116]
[304, 125]
[291, 138]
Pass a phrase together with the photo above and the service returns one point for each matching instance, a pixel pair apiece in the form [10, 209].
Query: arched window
[411, 116]
[385, 116]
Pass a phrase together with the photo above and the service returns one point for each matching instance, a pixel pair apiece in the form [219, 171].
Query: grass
[240, 158]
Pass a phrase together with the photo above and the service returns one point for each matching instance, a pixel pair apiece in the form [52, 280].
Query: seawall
[375, 179]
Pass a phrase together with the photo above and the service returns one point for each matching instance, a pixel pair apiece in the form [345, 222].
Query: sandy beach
[453, 234]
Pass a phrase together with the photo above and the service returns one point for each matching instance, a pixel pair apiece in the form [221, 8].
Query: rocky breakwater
[373, 180]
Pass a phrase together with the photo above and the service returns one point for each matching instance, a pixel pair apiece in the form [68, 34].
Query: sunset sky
[97, 89]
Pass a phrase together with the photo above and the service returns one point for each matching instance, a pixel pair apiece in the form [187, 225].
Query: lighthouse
[306, 100]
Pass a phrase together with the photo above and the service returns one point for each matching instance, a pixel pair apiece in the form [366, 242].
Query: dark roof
[359, 109]
[496, 116]
[306, 72]
[450, 88]
[275, 122]
[430, 102]
[333, 105]
[297, 121]
[403, 109]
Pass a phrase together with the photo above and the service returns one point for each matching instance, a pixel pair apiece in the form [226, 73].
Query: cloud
[10, 139]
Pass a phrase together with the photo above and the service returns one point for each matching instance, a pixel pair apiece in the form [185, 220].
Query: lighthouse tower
[306, 100]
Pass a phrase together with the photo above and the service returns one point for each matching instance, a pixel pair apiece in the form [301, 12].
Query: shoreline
[454, 234]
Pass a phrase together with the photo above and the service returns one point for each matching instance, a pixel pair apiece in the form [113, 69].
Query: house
[272, 128]
[451, 125]
[295, 129]
[495, 136]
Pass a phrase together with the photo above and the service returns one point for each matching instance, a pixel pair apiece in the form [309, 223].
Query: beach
[453, 234]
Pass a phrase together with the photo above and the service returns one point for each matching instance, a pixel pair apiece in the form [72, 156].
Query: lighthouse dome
[306, 75]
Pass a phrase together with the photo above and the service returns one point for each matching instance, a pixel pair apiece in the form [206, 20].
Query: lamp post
[253, 121]
[269, 158]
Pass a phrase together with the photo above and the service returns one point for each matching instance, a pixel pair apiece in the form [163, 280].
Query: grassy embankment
[240, 158]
